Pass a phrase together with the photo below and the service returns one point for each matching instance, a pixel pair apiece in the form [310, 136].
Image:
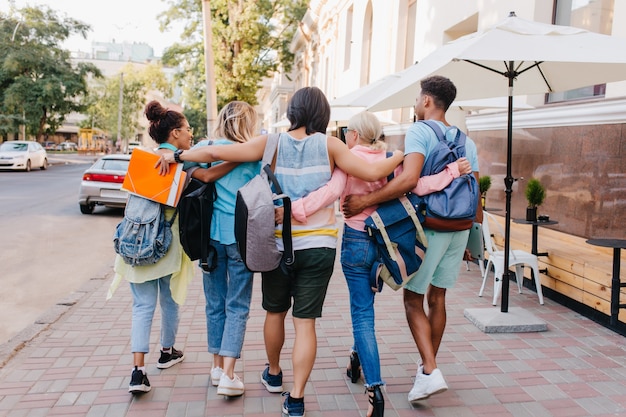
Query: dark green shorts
[312, 270]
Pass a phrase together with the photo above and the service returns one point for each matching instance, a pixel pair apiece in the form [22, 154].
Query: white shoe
[427, 385]
[216, 374]
[230, 387]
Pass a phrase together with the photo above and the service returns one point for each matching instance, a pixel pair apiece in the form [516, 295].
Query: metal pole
[211, 93]
[508, 184]
[120, 103]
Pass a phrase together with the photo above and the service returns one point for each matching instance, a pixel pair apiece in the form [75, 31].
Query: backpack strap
[205, 230]
[459, 140]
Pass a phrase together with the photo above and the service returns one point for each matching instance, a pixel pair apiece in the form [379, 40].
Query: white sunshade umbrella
[339, 114]
[361, 97]
[513, 57]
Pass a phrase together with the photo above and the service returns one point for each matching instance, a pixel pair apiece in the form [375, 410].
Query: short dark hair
[309, 107]
[441, 89]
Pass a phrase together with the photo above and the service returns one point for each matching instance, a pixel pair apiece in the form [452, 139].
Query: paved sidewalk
[80, 365]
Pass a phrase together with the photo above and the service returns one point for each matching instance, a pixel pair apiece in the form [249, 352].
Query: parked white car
[22, 155]
[102, 183]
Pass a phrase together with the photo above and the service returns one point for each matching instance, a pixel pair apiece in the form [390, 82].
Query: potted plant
[484, 183]
[535, 195]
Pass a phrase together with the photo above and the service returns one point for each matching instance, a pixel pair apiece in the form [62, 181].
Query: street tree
[138, 81]
[250, 41]
[39, 85]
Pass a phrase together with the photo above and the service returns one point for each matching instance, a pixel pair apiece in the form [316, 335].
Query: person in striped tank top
[304, 161]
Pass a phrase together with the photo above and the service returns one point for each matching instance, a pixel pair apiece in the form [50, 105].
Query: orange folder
[144, 179]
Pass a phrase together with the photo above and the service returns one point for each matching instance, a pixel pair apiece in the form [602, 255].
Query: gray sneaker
[427, 385]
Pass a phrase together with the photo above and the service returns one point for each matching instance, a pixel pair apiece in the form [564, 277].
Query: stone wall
[582, 167]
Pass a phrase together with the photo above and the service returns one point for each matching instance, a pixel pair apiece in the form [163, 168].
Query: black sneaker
[170, 359]
[292, 409]
[273, 383]
[138, 382]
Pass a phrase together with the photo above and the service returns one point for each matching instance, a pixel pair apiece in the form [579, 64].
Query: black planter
[531, 214]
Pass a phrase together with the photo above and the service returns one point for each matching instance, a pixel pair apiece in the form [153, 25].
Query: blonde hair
[236, 121]
[369, 129]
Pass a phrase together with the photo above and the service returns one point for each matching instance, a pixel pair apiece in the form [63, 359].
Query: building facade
[574, 142]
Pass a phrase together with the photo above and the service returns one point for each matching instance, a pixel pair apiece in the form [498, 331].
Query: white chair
[479, 255]
[517, 258]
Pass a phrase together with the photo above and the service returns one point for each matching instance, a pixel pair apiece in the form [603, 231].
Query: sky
[119, 20]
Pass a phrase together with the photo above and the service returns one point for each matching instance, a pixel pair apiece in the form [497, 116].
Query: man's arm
[395, 188]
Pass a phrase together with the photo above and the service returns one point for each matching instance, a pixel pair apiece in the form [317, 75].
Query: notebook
[143, 179]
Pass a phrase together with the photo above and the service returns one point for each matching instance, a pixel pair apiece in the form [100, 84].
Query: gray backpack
[254, 218]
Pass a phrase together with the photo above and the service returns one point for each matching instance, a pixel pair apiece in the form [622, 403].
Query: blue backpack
[144, 235]
[396, 228]
[454, 207]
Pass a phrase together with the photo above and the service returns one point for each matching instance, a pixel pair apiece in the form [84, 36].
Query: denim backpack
[395, 226]
[144, 235]
[454, 207]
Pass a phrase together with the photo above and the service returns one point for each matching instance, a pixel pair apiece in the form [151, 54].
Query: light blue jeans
[144, 303]
[358, 254]
[228, 292]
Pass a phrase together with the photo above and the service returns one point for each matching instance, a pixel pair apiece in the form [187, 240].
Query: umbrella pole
[508, 184]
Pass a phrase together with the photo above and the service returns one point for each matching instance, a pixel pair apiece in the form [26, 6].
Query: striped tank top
[302, 166]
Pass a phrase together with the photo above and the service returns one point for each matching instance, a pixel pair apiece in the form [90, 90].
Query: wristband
[177, 154]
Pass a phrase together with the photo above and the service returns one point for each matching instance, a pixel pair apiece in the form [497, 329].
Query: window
[592, 15]
[348, 46]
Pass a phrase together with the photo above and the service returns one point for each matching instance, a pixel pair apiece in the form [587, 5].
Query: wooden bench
[575, 269]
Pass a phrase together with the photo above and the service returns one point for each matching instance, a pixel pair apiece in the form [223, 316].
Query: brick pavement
[80, 365]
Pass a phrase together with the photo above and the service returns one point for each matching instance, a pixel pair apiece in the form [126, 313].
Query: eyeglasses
[345, 130]
[189, 129]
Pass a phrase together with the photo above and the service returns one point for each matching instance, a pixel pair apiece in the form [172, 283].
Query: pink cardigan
[341, 185]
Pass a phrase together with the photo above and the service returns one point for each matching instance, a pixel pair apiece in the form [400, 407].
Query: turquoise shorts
[442, 262]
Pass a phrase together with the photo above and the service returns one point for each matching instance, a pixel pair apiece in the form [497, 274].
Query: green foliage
[250, 40]
[535, 193]
[484, 184]
[39, 86]
[103, 106]
[197, 119]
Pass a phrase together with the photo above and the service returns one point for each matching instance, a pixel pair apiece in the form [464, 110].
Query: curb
[15, 344]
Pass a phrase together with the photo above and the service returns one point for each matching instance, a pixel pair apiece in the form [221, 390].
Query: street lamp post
[119, 114]
[211, 93]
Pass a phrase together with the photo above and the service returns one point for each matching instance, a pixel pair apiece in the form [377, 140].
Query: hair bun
[155, 111]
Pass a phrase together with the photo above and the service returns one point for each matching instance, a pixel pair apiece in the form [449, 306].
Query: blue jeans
[358, 254]
[144, 303]
[228, 292]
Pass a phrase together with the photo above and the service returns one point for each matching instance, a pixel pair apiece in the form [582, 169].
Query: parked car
[23, 155]
[49, 146]
[66, 146]
[132, 146]
[102, 183]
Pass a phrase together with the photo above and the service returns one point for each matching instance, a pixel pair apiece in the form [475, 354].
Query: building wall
[582, 162]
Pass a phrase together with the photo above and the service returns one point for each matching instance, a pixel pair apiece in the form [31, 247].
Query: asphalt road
[48, 249]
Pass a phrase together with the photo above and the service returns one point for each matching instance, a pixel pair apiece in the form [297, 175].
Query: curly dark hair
[441, 89]
[162, 121]
[309, 107]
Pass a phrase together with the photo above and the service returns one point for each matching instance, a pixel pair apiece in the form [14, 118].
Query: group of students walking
[314, 170]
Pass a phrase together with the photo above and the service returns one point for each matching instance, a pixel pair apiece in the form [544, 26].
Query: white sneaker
[230, 387]
[427, 385]
[216, 374]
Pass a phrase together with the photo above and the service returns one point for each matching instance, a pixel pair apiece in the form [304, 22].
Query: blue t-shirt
[223, 222]
[422, 139]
